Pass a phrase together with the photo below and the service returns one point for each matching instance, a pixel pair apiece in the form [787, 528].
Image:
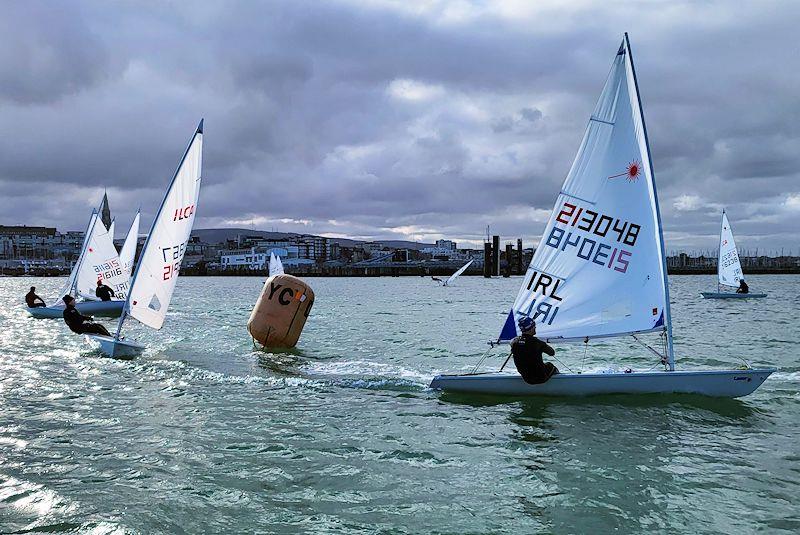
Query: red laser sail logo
[632, 173]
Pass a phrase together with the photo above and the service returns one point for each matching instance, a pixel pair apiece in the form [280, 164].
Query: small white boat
[455, 275]
[275, 265]
[729, 268]
[153, 282]
[98, 260]
[600, 269]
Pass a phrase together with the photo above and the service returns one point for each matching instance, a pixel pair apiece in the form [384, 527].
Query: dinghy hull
[107, 309]
[117, 349]
[715, 383]
[729, 295]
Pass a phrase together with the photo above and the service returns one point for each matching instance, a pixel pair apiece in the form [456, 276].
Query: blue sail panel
[509, 331]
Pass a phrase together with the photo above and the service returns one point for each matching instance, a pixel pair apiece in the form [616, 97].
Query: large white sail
[159, 264]
[599, 269]
[128, 251]
[729, 268]
[100, 262]
[455, 275]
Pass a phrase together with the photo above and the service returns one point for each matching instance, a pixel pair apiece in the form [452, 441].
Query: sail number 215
[172, 256]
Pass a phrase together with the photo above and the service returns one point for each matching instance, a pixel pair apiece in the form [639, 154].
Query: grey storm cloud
[386, 119]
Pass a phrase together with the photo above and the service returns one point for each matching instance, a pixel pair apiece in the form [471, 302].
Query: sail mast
[667, 312]
[126, 307]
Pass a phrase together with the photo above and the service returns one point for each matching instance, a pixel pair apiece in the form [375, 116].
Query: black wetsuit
[104, 292]
[33, 300]
[743, 288]
[527, 351]
[80, 324]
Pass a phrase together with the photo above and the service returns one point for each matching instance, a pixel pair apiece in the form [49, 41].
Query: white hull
[716, 383]
[118, 349]
[108, 309]
[729, 295]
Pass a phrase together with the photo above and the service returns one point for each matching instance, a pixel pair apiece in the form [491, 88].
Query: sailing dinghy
[275, 265]
[455, 275]
[153, 282]
[98, 260]
[600, 268]
[729, 269]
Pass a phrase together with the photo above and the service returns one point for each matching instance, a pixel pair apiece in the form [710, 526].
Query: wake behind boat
[729, 268]
[600, 270]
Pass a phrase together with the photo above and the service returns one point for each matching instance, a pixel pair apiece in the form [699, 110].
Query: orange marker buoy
[281, 311]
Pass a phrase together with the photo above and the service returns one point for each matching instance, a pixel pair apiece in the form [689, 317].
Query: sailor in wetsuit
[527, 351]
[33, 300]
[77, 322]
[743, 287]
[103, 292]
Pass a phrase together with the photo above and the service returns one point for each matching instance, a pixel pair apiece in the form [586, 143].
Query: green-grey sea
[203, 434]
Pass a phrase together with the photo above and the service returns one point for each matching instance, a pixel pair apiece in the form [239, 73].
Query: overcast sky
[394, 119]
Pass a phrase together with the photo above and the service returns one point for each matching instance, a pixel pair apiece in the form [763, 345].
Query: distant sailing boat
[98, 259]
[455, 275]
[128, 252]
[600, 269]
[275, 265]
[157, 271]
[729, 269]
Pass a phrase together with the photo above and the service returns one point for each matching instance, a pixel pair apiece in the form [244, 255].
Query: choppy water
[202, 434]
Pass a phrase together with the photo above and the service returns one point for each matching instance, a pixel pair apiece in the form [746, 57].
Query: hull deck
[730, 295]
[108, 309]
[716, 383]
[118, 349]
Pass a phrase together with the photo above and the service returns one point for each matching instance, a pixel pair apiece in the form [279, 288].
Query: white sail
[100, 262]
[599, 269]
[275, 265]
[112, 228]
[159, 263]
[455, 275]
[69, 286]
[128, 252]
[729, 268]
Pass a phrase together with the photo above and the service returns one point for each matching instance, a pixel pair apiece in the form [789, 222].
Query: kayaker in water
[527, 351]
[77, 322]
[33, 300]
[743, 287]
[103, 292]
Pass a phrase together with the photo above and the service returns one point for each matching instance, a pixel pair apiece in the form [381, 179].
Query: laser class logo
[632, 173]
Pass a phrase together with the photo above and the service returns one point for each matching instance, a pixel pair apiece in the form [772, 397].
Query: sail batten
[599, 269]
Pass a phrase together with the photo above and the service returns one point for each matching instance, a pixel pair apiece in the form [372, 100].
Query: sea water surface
[202, 434]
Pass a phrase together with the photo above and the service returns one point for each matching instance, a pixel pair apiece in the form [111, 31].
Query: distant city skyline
[395, 120]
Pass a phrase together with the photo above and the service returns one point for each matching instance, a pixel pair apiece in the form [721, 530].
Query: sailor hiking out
[527, 351]
[77, 322]
[33, 300]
